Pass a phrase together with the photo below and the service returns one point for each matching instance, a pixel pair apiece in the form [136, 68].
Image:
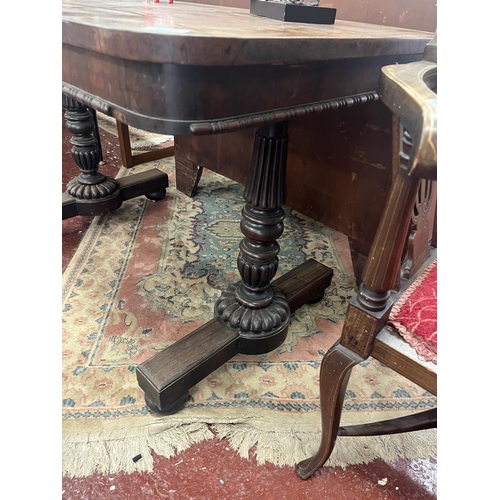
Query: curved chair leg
[334, 375]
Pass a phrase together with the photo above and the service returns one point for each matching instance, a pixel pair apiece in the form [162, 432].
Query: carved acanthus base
[90, 187]
[254, 324]
[254, 308]
[106, 189]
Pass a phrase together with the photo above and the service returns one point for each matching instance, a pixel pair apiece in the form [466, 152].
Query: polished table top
[164, 67]
[195, 34]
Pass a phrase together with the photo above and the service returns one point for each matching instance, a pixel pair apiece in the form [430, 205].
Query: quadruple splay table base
[92, 193]
[251, 316]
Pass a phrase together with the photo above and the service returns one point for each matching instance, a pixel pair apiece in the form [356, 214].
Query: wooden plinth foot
[151, 183]
[170, 374]
[168, 409]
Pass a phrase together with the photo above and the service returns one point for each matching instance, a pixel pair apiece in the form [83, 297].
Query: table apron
[199, 100]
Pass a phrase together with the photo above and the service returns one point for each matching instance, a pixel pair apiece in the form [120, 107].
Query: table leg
[187, 173]
[92, 193]
[257, 310]
[251, 316]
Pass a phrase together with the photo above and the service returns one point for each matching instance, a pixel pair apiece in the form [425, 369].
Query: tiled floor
[212, 470]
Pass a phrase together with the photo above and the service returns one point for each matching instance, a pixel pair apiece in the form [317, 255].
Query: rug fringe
[83, 458]
[289, 448]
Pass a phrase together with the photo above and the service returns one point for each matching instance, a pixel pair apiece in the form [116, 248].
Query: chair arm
[410, 92]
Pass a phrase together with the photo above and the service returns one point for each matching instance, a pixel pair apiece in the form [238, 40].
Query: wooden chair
[128, 158]
[410, 92]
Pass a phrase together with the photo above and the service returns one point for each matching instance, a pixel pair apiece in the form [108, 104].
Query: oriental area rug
[149, 273]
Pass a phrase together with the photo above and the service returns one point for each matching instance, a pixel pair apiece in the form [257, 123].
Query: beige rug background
[148, 274]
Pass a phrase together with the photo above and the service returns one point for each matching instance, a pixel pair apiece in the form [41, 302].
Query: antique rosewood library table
[190, 69]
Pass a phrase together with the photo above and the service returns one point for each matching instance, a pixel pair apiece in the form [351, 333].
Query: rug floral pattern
[150, 273]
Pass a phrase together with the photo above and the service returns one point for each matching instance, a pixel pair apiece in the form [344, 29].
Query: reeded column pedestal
[257, 310]
[251, 316]
[92, 193]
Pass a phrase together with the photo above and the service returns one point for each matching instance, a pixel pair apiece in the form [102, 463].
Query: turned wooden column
[93, 191]
[257, 310]
[251, 316]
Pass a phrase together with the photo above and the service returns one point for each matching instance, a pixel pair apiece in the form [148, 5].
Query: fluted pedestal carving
[258, 311]
[251, 316]
[92, 193]
[90, 187]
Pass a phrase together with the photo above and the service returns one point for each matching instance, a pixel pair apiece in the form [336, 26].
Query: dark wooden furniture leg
[334, 375]
[92, 193]
[187, 173]
[258, 311]
[369, 310]
[251, 316]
